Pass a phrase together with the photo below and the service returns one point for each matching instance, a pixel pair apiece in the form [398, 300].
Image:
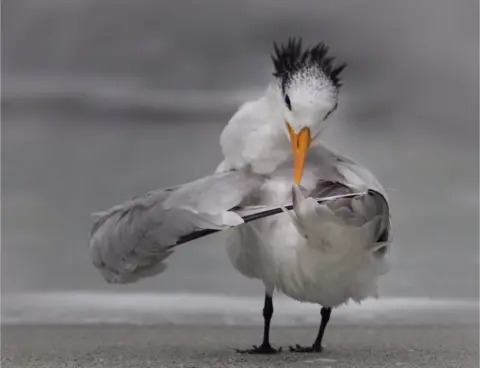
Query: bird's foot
[306, 349]
[262, 349]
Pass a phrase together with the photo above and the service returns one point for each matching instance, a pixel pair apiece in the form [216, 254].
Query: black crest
[290, 58]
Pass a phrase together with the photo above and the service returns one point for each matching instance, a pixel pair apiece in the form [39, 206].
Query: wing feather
[369, 211]
[130, 241]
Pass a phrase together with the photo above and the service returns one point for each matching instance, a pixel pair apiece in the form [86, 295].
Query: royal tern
[326, 251]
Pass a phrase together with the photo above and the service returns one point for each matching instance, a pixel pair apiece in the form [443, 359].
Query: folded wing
[349, 220]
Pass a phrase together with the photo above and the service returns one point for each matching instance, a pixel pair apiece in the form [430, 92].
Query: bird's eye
[288, 103]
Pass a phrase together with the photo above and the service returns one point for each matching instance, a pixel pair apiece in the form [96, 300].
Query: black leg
[265, 348]
[325, 312]
[267, 317]
[317, 345]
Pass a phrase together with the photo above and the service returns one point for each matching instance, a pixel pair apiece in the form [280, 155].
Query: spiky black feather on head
[291, 58]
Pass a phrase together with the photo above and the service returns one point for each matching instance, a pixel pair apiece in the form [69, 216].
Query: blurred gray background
[104, 100]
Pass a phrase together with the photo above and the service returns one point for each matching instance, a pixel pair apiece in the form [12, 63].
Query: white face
[309, 99]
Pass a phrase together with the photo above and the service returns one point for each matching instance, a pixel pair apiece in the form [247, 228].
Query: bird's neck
[254, 136]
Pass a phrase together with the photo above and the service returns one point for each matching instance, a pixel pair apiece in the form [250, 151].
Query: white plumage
[324, 253]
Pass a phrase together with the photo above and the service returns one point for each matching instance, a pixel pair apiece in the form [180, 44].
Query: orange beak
[300, 144]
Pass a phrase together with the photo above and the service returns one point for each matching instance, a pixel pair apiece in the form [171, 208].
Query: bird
[300, 217]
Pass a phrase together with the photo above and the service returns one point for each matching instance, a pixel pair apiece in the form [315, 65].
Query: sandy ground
[187, 346]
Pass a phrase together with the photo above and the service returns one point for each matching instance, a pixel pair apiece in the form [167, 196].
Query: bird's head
[309, 82]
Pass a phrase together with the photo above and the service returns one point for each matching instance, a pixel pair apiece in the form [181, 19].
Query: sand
[199, 346]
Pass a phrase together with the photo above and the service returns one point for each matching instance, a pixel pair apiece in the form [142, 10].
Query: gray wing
[358, 210]
[131, 241]
[339, 175]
